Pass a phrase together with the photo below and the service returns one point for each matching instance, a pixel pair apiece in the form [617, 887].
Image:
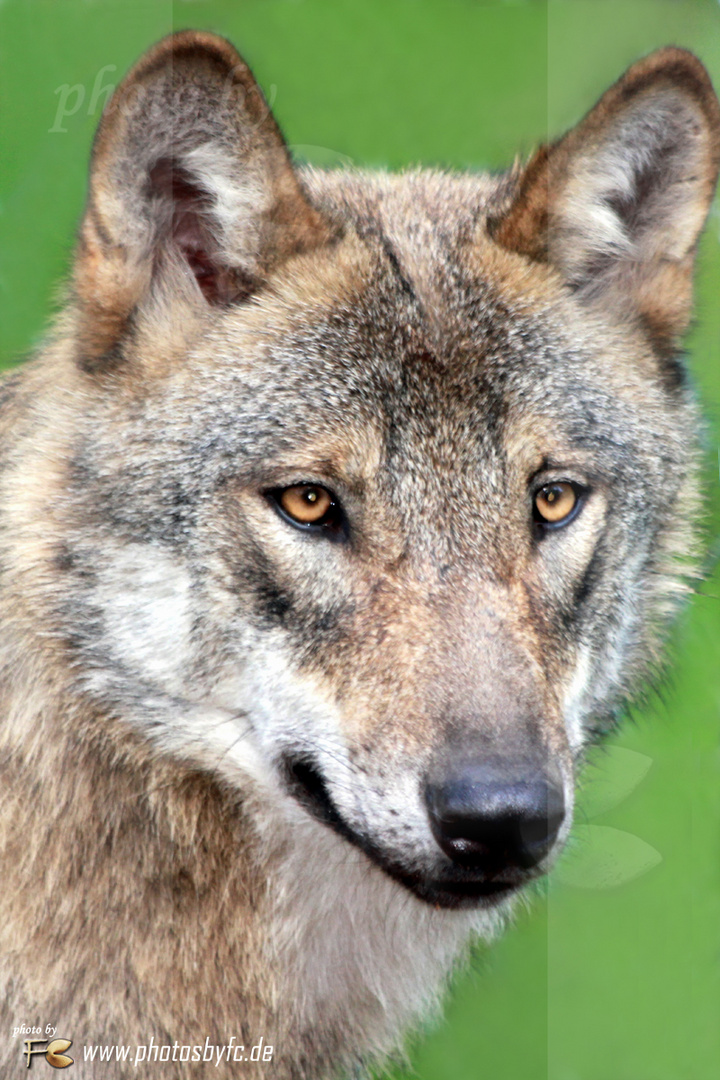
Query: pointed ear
[617, 205]
[192, 191]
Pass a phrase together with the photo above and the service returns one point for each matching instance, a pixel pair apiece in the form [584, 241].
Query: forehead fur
[416, 300]
[412, 354]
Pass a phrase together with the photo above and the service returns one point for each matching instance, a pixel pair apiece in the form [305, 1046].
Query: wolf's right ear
[189, 177]
[617, 205]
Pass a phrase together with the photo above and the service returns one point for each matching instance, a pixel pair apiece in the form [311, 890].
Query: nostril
[488, 822]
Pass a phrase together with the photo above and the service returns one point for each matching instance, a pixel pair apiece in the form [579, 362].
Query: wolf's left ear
[617, 205]
[192, 192]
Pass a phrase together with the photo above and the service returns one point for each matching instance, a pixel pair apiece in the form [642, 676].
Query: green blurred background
[614, 972]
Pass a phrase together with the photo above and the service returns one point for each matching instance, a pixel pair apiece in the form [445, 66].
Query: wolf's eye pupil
[307, 504]
[555, 502]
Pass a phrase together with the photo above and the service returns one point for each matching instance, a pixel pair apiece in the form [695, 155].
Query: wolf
[338, 513]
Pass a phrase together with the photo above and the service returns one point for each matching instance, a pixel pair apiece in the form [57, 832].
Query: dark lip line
[308, 788]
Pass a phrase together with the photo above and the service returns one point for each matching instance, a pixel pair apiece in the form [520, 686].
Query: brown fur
[426, 346]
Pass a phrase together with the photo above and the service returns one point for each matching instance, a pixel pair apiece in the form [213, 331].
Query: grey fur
[420, 346]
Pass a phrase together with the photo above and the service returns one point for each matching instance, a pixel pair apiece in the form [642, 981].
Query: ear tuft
[189, 176]
[187, 224]
[617, 205]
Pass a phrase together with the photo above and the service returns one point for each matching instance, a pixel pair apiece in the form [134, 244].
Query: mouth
[452, 888]
[308, 787]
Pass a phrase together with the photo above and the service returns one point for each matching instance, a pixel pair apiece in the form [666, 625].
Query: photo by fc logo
[53, 1052]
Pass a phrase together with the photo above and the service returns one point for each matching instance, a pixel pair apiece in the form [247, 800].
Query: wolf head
[376, 491]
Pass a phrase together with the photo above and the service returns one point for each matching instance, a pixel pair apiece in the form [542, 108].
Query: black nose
[491, 820]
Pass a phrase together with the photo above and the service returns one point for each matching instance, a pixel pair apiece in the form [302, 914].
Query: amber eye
[312, 508]
[307, 504]
[555, 503]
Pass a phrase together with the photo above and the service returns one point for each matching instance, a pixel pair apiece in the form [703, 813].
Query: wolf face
[370, 495]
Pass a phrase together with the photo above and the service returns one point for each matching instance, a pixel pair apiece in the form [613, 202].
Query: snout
[496, 820]
[475, 829]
